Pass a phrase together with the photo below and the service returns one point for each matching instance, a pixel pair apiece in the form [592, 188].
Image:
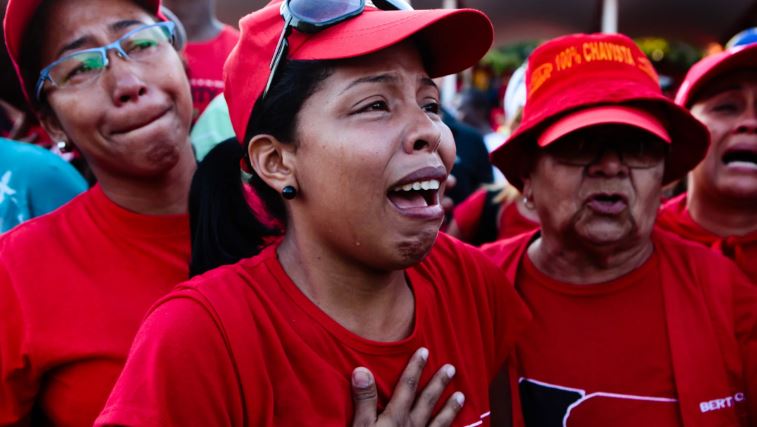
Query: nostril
[124, 98]
[420, 145]
[142, 91]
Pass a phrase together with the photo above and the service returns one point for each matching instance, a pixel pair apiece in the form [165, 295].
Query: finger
[425, 403]
[450, 410]
[365, 396]
[404, 393]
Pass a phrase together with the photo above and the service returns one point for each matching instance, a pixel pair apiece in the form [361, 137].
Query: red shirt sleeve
[179, 336]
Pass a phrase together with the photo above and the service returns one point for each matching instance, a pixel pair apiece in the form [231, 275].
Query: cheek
[447, 149]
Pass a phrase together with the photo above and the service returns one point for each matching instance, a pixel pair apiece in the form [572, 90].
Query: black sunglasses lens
[324, 11]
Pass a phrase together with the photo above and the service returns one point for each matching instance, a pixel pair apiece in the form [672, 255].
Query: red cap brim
[603, 115]
[450, 41]
[714, 65]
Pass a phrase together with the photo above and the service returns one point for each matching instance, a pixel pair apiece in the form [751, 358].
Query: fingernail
[450, 371]
[459, 398]
[423, 353]
[361, 378]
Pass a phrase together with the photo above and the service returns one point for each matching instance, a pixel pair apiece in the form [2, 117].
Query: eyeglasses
[311, 16]
[635, 148]
[81, 68]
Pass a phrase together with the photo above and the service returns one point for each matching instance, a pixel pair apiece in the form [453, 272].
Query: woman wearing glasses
[344, 136]
[632, 326]
[105, 78]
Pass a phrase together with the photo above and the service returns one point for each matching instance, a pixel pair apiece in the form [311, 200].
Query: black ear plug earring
[289, 192]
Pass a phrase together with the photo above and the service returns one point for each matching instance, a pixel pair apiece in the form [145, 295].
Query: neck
[167, 194]
[587, 265]
[198, 18]
[374, 305]
[721, 215]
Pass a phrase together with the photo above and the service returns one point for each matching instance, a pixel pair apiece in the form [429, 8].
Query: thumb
[365, 396]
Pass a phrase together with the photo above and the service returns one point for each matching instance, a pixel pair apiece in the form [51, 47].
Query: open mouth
[417, 194]
[607, 203]
[740, 157]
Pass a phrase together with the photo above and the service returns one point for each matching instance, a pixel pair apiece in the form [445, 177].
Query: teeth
[431, 184]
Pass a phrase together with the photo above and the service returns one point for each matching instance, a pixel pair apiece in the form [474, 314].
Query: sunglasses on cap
[81, 68]
[636, 149]
[312, 16]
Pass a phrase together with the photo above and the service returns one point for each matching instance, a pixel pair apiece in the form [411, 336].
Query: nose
[748, 121]
[124, 83]
[608, 164]
[422, 132]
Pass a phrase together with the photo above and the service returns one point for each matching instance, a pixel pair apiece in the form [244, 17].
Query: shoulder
[671, 211]
[221, 289]
[43, 229]
[503, 252]
[450, 253]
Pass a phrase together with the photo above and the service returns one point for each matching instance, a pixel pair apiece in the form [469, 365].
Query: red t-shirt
[205, 61]
[675, 217]
[596, 354]
[242, 345]
[510, 222]
[74, 286]
[709, 322]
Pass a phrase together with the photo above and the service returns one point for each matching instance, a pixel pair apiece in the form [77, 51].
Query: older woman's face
[372, 152]
[729, 109]
[606, 202]
[133, 120]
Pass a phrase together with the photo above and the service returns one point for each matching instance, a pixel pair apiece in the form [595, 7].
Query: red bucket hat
[583, 80]
[701, 73]
[452, 41]
[19, 13]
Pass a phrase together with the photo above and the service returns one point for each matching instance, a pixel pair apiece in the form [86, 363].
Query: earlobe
[272, 161]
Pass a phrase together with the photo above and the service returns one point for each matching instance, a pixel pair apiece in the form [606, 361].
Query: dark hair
[224, 228]
[30, 57]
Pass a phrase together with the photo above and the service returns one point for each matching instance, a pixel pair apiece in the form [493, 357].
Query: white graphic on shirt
[7, 192]
[5, 187]
[480, 421]
[584, 396]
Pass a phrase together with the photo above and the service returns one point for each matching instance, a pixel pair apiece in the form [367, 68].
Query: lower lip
[425, 213]
[607, 208]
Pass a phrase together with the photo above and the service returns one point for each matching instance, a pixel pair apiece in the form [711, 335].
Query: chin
[413, 250]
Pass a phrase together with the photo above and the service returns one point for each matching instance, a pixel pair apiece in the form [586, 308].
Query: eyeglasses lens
[323, 12]
[636, 150]
[83, 67]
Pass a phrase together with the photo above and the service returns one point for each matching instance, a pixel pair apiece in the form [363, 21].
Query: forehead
[737, 80]
[89, 19]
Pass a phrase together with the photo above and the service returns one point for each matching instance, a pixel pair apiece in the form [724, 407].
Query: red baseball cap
[701, 73]
[451, 39]
[582, 80]
[19, 13]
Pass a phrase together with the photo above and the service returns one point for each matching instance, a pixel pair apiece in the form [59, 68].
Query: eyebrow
[81, 41]
[386, 78]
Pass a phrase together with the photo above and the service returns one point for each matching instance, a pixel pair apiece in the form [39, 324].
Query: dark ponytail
[224, 227]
